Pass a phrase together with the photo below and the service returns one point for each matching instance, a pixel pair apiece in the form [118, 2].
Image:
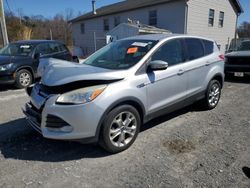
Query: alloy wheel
[214, 95]
[123, 129]
[24, 79]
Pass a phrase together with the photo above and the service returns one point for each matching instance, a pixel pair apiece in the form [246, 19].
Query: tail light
[222, 57]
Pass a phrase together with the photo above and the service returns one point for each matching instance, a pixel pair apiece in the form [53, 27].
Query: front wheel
[23, 79]
[213, 94]
[120, 129]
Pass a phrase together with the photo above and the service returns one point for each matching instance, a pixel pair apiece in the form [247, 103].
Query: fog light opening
[65, 129]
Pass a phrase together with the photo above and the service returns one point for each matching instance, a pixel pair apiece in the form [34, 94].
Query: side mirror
[158, 65]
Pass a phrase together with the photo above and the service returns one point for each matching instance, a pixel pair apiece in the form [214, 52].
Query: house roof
[142, 28]
[238, 6]
[128, 5]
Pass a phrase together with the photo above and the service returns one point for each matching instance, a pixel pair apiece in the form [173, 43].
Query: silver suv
[123, 85]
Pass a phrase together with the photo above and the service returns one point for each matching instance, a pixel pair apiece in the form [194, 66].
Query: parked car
[123, 85]
[237, 63]
[19, 60]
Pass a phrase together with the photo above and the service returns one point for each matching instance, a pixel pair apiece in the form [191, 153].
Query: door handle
[207, 63]
[181, 72]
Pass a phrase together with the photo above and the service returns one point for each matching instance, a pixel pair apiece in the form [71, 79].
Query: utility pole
[51, 34]
[3, 24]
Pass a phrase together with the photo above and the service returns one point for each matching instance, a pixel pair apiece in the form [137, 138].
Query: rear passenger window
[54, 47]
[63, 48]
[171, 52]
[209, 47]
[43, 49]
[194, 48]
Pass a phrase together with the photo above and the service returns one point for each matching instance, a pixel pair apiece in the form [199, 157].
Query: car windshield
[245, 46]
[17, 50]
[120, 55]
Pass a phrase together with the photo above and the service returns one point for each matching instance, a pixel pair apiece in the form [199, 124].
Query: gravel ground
[189, 148]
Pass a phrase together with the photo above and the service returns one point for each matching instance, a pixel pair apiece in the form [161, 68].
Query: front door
[168, 87]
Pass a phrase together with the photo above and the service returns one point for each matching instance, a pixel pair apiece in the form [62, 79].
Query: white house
[125, 30]
[216, 19]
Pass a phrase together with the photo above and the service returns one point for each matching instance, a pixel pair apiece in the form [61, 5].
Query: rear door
[167, 87]
[43, 50]
[59, 51]
[198, 63]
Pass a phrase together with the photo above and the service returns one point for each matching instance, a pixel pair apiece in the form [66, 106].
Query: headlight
[81, 96]
[5, 67]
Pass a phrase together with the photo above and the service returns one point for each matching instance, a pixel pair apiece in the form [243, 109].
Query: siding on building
[197, 20]
[166, 13]
[179, 16]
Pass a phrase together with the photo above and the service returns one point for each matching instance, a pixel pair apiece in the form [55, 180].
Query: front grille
[55, 122]
[43, 90]
[238, 60]
[34, 113]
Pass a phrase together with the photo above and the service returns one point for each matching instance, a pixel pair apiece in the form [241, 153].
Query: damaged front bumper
[62, 122]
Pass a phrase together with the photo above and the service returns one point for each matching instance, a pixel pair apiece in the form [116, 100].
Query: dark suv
[237, 62]
[19, 60]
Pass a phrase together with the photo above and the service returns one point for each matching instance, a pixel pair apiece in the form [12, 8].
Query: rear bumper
[237, 68]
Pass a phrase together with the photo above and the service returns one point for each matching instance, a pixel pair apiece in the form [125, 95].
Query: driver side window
[171, 52]
[43, 49]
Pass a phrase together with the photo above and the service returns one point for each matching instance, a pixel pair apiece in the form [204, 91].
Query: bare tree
[38, 27]
[244, 30]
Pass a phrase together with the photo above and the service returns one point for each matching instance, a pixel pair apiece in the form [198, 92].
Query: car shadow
[164, 118]
[7, 87]
[19, 141]
[244, 80]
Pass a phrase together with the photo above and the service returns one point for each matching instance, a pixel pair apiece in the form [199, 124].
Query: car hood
[239, 54]
[56, 72]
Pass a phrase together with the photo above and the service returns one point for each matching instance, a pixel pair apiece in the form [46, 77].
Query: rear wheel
[120, 129]
[213, 95]
[23, 78]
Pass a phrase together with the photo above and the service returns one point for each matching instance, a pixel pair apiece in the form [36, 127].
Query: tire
[23, 79]
[213, 95]
[117, 136]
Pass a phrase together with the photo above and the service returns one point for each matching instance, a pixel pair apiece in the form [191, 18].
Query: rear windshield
[245, 46]
[120, 55]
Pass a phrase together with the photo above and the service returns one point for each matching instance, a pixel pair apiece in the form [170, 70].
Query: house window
[211, 18]
[153, 18]
[221, 19]
[117, 20]
[82, 27]
[106, 25]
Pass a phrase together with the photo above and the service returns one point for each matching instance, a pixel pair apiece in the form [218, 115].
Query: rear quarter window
[208, 47]
[195, 48]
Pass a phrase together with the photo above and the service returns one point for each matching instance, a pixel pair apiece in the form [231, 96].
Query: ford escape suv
[123, 85]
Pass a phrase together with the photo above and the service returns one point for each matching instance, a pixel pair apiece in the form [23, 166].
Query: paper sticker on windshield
[140, 44]
[25, 46]
[132, 50]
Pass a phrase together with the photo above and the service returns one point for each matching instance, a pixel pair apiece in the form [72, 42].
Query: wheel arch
[136, 103]
[219, 77]
[28, 68]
